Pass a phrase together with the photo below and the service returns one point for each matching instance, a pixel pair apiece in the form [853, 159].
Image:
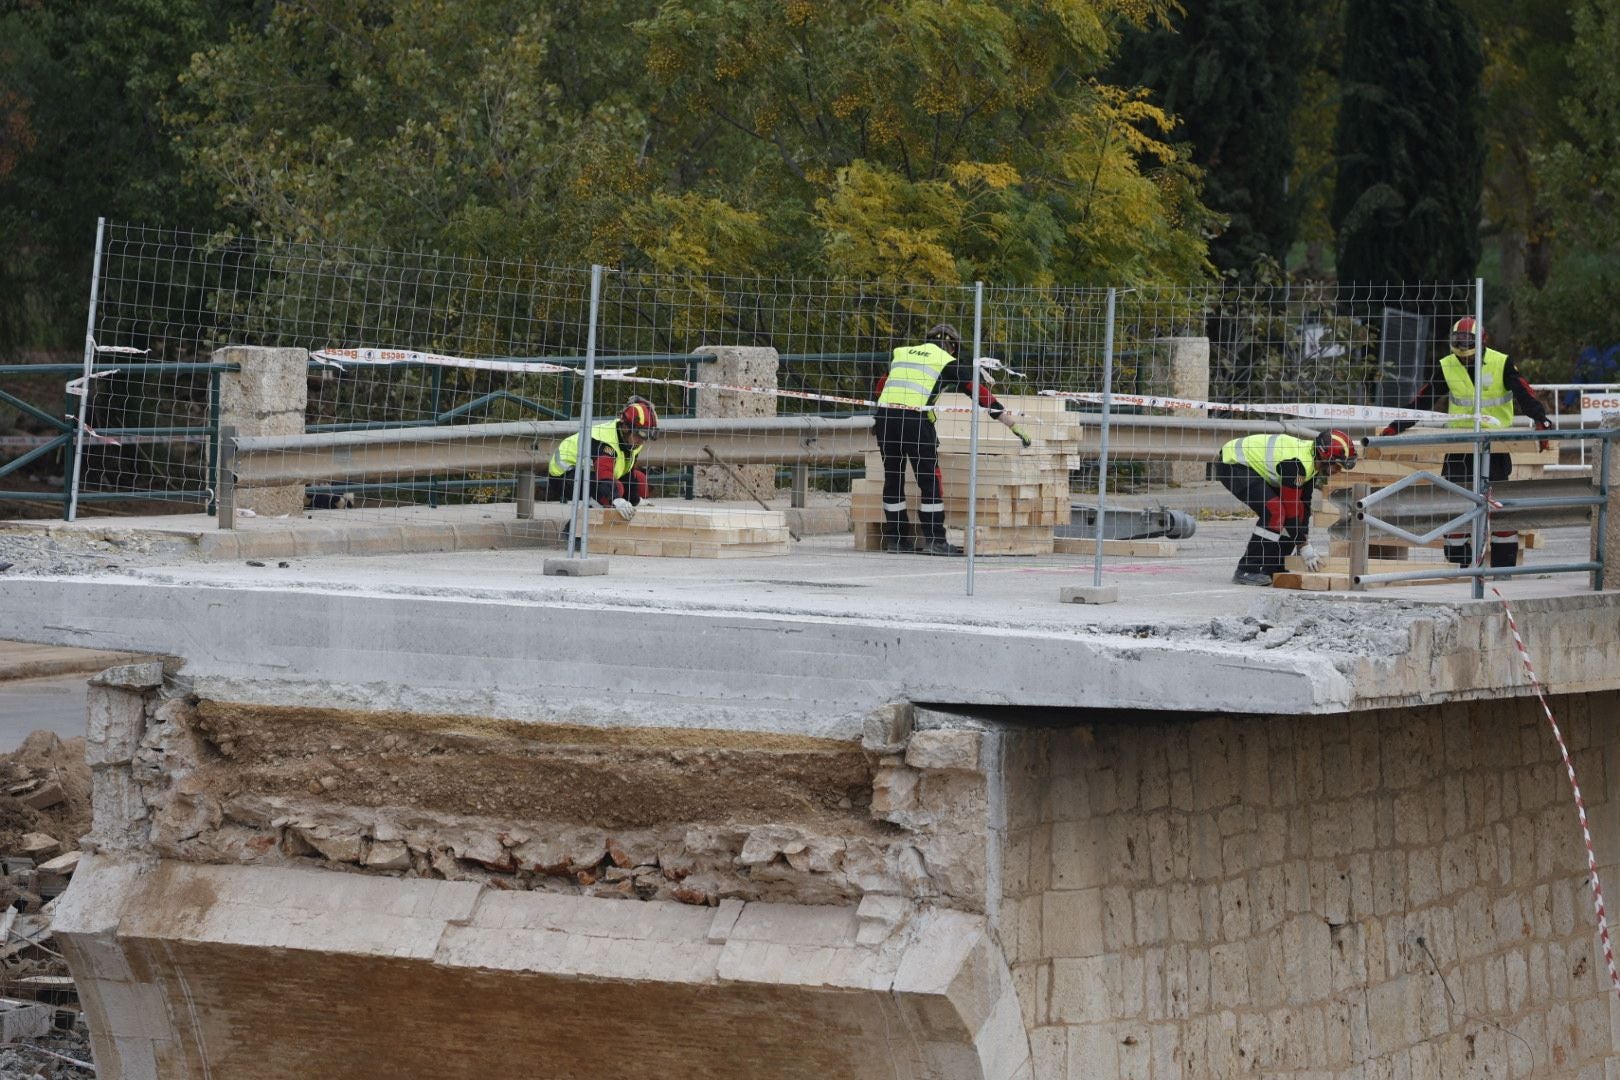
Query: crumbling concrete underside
[283, 892]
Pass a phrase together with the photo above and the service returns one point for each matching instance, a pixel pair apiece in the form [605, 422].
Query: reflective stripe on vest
[913, 374]
[566, 456]
[1495, 400]
[1263, 453]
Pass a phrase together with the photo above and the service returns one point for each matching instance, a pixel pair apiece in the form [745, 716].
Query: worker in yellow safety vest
[904, 427]
[615, 480]
[1274, 475]
[1501, 389]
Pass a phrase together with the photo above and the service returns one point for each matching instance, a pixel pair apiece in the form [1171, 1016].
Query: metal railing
[1525, 503]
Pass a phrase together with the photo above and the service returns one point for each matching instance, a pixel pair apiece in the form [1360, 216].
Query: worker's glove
[1023, 436]
[625, 509]
[1543, 425]
[1314, 560]
[1389, 429]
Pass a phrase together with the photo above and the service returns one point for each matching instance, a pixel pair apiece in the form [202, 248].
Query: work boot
[940, 547]
[1251, 577]
[900, 541]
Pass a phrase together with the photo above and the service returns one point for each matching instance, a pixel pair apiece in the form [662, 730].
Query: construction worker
[1502, 388]
[905, 432]
[1274, 475]
[615, 445]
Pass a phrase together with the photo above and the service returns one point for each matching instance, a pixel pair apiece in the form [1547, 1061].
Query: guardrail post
[1358, 536]
[801, 486]
[525, 495]
[225, 484]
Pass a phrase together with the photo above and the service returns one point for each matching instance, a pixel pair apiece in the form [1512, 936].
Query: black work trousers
[907, 435]
[1459, 546]
[1267, 547]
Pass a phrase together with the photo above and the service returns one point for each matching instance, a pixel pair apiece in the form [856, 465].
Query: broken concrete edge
[940, 971]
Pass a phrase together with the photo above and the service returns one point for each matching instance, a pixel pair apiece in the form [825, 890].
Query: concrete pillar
[1189, 378]
[736, 366]
[267, 397]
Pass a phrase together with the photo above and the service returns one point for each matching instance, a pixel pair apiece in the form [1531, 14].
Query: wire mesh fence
[415, 381]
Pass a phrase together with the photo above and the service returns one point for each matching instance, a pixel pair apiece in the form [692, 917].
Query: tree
[1230, 72]
[951, 139]
[1575, 307]
[81, 136]
[1410, 143]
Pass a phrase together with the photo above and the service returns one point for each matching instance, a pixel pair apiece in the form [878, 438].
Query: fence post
[1102, 447]
[973, 435]
[89, 369]
[1606, 523]
[579, 533]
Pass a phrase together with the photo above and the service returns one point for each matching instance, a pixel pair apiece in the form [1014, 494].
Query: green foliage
[81, 136]
[1410, 145]
[1230, 72]
[1575, 307]
[940, 141]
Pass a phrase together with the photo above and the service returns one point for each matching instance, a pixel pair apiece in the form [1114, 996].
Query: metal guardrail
[65, 427]
[1526, 503]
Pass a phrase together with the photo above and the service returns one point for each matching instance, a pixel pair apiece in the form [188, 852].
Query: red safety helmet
[640, 418]
[1462, 336]
[1334, 447]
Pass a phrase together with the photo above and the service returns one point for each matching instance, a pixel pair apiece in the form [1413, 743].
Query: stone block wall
[1389, 894]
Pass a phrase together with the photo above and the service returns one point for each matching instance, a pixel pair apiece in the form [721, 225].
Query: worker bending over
[615, 481]
[1501, 388]
[1274, 475]
[905, 432]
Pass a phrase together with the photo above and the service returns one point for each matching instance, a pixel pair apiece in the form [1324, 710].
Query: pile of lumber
[691, 532]
[1023, 495]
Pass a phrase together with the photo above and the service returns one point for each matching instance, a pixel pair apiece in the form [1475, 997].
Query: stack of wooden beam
[691, 532]
[1023, 495]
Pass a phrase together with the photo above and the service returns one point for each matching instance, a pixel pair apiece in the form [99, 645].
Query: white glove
[1314, 560]
[624, 508]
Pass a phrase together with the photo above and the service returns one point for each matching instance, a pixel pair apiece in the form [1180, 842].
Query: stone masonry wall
[1398, 894]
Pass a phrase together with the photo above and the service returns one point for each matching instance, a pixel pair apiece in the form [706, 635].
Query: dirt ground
[614, 779]
[42, 766]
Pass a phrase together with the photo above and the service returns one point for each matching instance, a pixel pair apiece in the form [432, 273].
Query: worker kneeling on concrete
[1274, 475]
[615, 481]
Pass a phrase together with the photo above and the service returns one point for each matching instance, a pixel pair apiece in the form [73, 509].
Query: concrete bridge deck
[806, 642]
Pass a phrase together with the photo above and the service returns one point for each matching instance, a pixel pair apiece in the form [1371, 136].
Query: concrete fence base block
[1089, 594]
[590, 566]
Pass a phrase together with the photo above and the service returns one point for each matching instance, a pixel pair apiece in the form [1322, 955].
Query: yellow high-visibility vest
[913, 373]
[566, 456]
[1263, 453]
[1495, 399]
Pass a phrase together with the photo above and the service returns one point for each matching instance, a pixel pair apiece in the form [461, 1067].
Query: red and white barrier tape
[1580, 804]
[1314, 411]
[92, 432]
[383, 357]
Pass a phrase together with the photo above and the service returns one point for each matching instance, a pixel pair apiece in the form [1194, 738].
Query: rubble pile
[44, 809]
